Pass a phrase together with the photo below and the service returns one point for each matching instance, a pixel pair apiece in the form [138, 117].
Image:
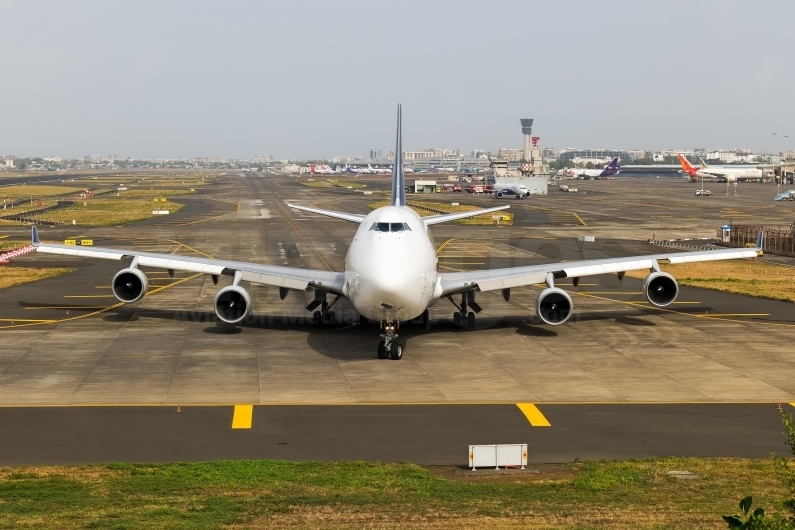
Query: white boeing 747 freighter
[391, 272]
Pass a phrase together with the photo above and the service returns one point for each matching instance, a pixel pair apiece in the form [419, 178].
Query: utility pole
[786, 145]
[774, 147]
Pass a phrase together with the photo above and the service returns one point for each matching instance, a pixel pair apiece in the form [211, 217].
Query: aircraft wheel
[471, 320]
[457, 319]
[397, 351]
[317, 317]
[382, 350]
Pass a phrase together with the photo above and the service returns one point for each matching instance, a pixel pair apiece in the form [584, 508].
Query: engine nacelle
[660, 289]
[232, 304]
[129, 285]
[554, 306]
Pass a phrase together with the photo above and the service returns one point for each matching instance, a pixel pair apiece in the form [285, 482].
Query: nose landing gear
[390, 347]
[463, 318]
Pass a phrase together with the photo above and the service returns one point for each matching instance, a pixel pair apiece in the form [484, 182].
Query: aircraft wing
[287, 277]
[443, 218]
[353, 217]
[489, 280]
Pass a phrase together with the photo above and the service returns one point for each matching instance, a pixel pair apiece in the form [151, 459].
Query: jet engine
[232, 304]
[660, 288]
[130, 285]
[553, 306]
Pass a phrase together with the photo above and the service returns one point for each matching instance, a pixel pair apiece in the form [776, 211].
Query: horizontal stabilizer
[436, 219]
[353, 217]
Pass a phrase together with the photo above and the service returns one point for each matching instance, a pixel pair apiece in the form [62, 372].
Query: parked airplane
[379, 170]
[446, 169]
[321, 170]
[391, 271]
[610, 169]
[727, 173]
[517, 192]
[357, 170]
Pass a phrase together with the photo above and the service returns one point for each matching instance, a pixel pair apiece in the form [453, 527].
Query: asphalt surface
[702, 377]
[425, 434]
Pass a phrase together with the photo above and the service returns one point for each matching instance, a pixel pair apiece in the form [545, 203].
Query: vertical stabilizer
[398, 183]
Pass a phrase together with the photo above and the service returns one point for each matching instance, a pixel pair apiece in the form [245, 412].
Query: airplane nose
[389, 283]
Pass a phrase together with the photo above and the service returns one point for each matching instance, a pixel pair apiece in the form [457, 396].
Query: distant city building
[375, 153]
[510, 154]
[260, 159]
[571, 154]
[52, 158]
[112, 158]
[9, 162]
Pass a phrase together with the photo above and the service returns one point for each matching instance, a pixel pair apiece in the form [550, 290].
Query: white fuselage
[731, 174]
[391, 275]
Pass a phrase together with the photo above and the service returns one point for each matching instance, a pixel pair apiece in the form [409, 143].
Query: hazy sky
[322, 78]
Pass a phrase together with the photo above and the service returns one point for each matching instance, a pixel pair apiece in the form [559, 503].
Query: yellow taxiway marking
[3, 237]
[738, 314]
[451, 269]
[89, 296]
[443, 245]
[102, 287]
[603, 292]
[191, 249]
[23, 320]
[579, 218]
[68, 307]
[793, 404]
[533, 415]
[302, 236]
[242, 416]
[680, 303]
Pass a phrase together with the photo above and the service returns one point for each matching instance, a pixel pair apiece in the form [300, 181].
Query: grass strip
[110, 211]
[18, 275]
[271, 494]
[753, 278]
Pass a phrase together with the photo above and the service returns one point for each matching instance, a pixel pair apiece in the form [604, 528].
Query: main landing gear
[390, 347]
[325, 315]
[465, 319]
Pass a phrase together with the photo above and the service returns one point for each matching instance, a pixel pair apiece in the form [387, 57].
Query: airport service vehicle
[517, 192]
[727, 173]
[477, 188]
[703, 193]
[391, 273]
[610, 169]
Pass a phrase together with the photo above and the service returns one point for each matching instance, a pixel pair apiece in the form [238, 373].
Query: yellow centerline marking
[533, 415]
[739, 314]
[67, 307]
[579, 218]
[302, 236]
[23, 320]
[241, 419]
[3, 237]
[191, 249]
[102, 287]
[443, 245]
[89, 296]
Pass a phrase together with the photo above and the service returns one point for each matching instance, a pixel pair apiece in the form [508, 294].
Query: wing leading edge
[489, 280]
[288, 277]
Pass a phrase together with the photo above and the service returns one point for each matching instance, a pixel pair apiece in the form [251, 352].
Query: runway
[682, 376]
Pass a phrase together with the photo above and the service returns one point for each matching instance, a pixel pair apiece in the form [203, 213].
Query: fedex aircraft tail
[613, 164]
[398, 183]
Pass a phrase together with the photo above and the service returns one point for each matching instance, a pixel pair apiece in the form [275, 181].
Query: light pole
[774, 147]
[786, 145]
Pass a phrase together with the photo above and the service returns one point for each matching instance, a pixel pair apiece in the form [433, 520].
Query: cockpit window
[389, 227]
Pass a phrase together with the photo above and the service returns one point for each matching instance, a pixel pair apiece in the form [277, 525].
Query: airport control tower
[527, 131]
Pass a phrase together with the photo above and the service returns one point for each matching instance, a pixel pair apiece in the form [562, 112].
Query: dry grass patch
[18, 275]
[157, 192]
[274, 494]
[110, 211]
[38, 191]
[753, 278]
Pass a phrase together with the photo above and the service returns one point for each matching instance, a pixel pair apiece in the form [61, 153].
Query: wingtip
[34, 236]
